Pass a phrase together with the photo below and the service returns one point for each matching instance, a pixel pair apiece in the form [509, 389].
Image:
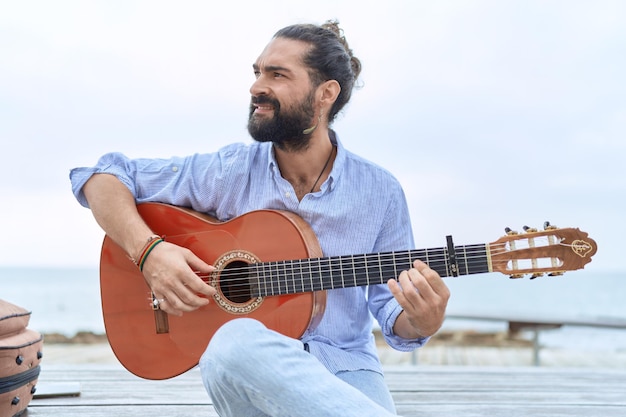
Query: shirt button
[175, 169]
[287, 194]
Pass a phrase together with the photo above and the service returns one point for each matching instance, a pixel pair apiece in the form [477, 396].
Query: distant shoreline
[443, 338]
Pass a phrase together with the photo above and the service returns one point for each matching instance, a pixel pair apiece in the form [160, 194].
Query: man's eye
[257, 74]
[278, 75]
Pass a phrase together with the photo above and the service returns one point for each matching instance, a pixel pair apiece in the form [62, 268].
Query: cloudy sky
[491, 113]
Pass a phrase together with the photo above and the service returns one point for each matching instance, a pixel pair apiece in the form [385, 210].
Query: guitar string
[276, 280]
[435, 256]
[268, 272]
[279, 283]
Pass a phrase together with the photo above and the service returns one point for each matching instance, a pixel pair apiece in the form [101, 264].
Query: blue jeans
[250, 371]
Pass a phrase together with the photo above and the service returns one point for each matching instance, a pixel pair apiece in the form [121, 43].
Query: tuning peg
[529, 229]
[548, 226]
[509, 231]
[516, 276]
[536, 275]
[556, 274]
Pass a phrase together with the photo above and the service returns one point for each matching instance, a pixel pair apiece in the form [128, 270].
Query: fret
[324, 283]
[286, 279]
[289, 281]
[458, 253]
[255, 290]
[329, 272]
[326, 273]
[293, 278]
[409, 262]
[353, 270]
[395, 270]
[307, 275]
[276, 281]
[267, 270]
[388, 267]
[269, 282]
[463, 263]
[367, 274]
[343, 281]
[314, 287]
[479, 263]
[320, 275]
[334, 271]
[265, 279]
[438, 261]
[280, 281]
[301, 276]
[270, 286]
[360, 271]
[446, 257]
[372, 270]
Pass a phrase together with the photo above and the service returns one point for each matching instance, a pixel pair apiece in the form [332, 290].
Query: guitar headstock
[551, 251]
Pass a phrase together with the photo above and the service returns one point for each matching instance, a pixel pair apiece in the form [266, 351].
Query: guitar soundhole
[235, 282]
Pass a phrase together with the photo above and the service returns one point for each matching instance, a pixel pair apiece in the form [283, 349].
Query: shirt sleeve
[112, 163]
[396, 234]
[192, 181]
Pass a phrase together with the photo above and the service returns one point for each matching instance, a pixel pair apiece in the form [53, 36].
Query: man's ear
[329, 91]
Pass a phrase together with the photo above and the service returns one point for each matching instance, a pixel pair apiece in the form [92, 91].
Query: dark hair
[329, 58]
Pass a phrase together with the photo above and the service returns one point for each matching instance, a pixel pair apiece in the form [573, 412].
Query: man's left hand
[423, 296]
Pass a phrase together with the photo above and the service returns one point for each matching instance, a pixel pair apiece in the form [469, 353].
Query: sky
[491, 114]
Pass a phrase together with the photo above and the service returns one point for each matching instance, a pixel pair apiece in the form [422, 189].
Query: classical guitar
[270, 267]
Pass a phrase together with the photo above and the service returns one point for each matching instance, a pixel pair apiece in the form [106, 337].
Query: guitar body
[154, 345]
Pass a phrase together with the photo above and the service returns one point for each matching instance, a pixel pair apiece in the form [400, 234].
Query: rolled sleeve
[111, 163]
[392, 310]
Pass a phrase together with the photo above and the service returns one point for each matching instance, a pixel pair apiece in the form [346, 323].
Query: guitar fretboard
[327, 273]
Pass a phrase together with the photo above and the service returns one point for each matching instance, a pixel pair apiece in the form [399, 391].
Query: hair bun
[355, 63]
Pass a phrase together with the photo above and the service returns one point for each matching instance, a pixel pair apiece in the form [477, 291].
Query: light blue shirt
[361, 208]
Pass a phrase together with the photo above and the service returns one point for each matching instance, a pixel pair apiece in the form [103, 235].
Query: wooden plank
[35, 410]
[514, 410]
[418, 391]
[468, 391]
[118, 387]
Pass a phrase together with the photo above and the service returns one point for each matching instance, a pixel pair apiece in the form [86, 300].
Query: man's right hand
[173, 273]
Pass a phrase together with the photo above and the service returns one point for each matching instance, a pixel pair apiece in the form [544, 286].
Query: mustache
[265, 100]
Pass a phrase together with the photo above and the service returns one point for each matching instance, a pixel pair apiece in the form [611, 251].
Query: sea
[67, 301]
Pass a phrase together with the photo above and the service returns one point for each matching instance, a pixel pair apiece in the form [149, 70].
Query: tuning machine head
[548, 226]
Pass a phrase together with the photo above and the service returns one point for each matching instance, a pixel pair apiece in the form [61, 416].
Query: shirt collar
[338, 164]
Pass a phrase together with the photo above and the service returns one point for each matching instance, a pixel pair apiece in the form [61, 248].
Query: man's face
[283, 101]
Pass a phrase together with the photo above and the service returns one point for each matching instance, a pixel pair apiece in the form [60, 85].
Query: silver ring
[156, 302]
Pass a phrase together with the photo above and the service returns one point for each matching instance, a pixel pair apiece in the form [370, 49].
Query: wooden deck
[435, 391]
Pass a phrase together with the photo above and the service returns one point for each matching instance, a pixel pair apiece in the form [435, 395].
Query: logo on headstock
[581, 248]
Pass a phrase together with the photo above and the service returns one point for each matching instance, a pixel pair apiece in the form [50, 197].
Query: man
[304, 77]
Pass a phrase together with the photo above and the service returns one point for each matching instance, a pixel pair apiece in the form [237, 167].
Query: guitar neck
[317, 274]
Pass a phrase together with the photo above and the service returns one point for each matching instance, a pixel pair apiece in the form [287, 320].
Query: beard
[286, 128]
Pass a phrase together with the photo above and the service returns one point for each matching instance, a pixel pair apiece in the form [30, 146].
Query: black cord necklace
[323, 169]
